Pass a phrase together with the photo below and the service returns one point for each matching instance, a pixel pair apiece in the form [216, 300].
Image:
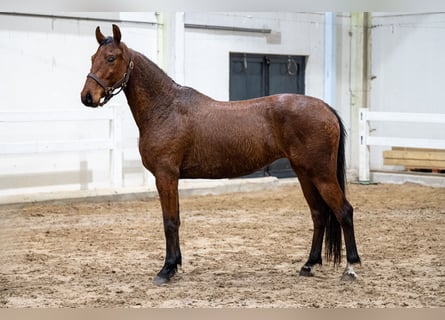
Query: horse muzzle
[92, 97]
[87, 100]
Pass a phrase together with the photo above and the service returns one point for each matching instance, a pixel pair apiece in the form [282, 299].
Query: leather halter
[120, 84]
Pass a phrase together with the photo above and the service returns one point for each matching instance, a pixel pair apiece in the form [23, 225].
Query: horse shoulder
[166, 138]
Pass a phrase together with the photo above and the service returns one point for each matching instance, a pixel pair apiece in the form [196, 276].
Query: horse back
[229, 139]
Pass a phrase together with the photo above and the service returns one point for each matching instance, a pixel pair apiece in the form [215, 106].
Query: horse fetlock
[354, 259]
[173, 260]
[164, 276]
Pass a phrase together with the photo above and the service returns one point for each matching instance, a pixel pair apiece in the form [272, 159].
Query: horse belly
[227, 160]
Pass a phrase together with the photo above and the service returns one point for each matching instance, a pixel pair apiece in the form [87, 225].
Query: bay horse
[185, 134]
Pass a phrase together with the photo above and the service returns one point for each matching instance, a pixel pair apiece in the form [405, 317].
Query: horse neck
[148, 88]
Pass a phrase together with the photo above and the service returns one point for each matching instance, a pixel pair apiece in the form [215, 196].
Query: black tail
[333, 229]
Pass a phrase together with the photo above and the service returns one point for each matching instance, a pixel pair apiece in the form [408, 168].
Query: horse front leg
[168, 193]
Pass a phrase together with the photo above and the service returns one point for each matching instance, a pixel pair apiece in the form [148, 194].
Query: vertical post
[363, 169]
[359, 84]
[116, 154]
[330, 58]
[160, 39]
[180, 47]
[171, 49]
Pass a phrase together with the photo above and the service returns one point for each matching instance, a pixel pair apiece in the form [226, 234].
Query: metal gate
[257, 75]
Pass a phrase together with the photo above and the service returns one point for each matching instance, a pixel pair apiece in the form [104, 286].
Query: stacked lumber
[416, 159]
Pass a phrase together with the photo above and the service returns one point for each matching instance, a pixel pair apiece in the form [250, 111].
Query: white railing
[366, 140]
[113, 142]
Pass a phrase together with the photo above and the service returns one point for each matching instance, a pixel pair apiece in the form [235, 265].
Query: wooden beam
[415, 158]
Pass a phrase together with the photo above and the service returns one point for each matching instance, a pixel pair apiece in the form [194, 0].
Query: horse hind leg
[335, 199]
[319, 213]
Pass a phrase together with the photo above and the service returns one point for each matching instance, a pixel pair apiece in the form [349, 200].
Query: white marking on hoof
[349, 273]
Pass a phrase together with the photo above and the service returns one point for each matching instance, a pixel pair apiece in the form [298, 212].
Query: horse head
[111, 67]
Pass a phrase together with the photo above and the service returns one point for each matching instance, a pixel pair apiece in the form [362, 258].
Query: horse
[186, 134]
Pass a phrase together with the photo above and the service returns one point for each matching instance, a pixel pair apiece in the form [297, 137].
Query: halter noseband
[120, 84]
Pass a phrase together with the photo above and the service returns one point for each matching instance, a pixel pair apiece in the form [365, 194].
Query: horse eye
[111, 58]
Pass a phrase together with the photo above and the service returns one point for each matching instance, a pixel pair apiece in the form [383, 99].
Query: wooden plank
[415, 163]
[417, 149]
[414, 155]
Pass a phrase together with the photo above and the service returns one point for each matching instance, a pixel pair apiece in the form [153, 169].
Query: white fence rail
[367, 140]
[113, 142]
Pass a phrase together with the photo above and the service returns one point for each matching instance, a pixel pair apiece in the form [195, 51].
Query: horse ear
[99, 36]
[116, 34]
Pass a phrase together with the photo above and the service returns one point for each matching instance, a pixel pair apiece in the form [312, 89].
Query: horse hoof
[349, 276]
[159, 281]
[306, 272]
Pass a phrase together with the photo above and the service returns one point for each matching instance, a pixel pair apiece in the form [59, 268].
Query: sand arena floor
[239, 250]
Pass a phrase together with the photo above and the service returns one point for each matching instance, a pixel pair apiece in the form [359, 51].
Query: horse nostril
[89, 99]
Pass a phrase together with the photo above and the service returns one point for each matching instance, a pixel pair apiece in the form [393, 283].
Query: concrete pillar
[171, 49]
[359, 81]
[330, 58]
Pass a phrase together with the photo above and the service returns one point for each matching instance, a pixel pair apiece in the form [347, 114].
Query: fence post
[363, 167]
[116, 161]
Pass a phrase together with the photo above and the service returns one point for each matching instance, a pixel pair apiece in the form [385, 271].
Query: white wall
[207, 51]
[408, 67]
[47, 59]
[44, 62]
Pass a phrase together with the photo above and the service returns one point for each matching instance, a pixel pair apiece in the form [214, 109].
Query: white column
[330, 49]
[359, 85]
[171, 44]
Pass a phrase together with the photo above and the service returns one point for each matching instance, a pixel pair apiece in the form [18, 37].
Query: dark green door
[257, 75]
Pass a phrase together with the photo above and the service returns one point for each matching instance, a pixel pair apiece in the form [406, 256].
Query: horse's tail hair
[333, 240]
